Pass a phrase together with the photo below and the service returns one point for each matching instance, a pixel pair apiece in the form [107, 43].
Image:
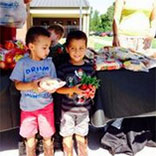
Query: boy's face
[77, 50]
[54, 37]
[40, 48]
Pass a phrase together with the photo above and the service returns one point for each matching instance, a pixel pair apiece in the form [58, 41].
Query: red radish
[89, 84]
[83, 87]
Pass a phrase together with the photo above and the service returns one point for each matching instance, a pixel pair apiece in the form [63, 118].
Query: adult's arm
[117, 15]
[152, 30]
[153, 20]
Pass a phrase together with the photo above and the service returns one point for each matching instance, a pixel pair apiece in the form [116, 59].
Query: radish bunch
[89, 84]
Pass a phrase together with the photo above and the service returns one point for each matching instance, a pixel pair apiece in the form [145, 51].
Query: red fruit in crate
[19, 51]
[12, 65]
[9, 45]
[3, 65]
[1, 46]
[9, 58]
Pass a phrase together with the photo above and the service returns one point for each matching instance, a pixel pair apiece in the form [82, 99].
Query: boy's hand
[36, 86]
[76, 90]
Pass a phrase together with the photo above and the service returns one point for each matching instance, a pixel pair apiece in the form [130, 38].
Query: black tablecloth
[124, 93]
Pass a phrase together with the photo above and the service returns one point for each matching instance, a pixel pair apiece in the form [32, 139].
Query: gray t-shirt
[28, 70]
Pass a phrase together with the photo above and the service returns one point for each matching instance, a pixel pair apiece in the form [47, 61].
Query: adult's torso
[135, 17]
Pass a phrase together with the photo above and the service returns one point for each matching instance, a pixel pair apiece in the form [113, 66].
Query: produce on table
[10, 53]
[135, 65]
[109, 64]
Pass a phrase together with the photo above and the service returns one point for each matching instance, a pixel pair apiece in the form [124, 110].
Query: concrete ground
[147, 151]
[10, 147]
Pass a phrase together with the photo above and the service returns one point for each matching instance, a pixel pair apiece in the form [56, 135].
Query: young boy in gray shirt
[36, 104]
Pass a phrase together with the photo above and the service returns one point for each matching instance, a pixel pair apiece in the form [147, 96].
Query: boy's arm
[65, 90]
[24, 86]
[70, 91]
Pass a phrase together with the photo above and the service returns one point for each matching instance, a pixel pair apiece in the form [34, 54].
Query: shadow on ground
[10, 139]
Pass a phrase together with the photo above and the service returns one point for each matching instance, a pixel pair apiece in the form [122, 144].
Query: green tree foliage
[107, 19]
[95, 21]
[102, 23]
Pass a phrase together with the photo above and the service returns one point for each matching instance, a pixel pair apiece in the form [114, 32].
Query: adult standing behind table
[134, 23]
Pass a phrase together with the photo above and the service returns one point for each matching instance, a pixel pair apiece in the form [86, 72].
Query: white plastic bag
[12, 13]
[48, 83]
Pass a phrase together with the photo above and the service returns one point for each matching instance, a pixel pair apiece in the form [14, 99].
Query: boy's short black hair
[57, 28]
[35, 32]
[75, 35]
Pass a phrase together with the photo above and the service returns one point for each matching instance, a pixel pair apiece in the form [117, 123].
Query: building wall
[68, 23]
[21, 33]
[69, 18]
[62, 15]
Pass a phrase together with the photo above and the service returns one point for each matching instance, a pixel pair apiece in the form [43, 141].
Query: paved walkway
[147, 151]
[94, 147]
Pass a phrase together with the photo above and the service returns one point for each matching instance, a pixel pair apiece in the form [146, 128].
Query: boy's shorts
[42, 119]
[74, 123]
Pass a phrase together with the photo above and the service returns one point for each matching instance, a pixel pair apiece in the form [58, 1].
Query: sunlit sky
[100, 5]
